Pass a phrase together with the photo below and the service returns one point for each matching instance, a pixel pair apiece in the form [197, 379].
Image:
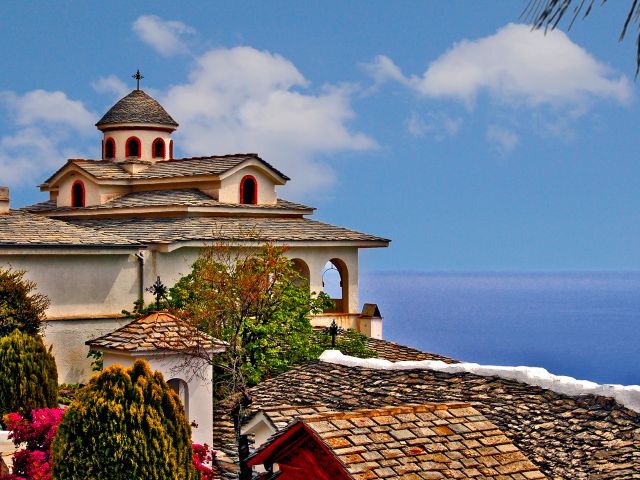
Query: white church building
[111, 226]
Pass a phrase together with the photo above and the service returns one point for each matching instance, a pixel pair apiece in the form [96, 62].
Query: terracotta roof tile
[157, 331]
[22, 229]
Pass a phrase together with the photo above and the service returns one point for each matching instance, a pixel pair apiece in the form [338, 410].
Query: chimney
[4, 200]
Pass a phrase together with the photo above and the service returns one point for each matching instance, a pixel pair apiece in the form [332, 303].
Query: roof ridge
[205, 157]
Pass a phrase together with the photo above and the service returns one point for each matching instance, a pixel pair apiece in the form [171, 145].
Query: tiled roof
[418, 441]
[566, 437]
[179, 167]
[394, 352]
[137, 107]
[168, 230]
[22, 229]
[157, 331]
[161, 198]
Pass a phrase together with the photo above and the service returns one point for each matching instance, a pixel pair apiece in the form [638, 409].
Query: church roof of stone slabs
[414, 442]
[211, 229]
[179, 167]
[137, 107]
[22, 229]
[394, 352]
[159, 331]
[566, 437]
[168, 198]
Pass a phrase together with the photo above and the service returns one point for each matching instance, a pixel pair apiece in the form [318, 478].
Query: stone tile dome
[137, 107]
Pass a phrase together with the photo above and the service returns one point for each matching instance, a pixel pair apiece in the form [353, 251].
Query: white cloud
[164, 36]
[45, 129]
[503, 139]
[40, 106]
[111, 84]
[437, 124]
[245, 100]
[515, 65]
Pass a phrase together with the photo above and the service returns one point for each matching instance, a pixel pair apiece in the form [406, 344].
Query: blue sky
[446, 126]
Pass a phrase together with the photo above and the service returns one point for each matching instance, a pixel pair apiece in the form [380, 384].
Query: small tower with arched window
[137, 132]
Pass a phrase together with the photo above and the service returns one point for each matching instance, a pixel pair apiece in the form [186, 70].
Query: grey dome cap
[137, 107]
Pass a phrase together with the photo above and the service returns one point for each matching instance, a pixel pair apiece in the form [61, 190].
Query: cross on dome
[138, 76]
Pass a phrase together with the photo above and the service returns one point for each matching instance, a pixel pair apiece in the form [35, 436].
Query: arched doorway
[335, 283]
[182, 389]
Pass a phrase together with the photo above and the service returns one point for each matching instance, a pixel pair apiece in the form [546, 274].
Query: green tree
[28, 374]
[548, 14]
[124, 424]
[20, 306]
[256, 301]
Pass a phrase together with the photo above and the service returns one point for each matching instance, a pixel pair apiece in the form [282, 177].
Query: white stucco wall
[89, 291]
[230, 186]
[94, 194]
[68, 337]
[197, 376]
[146, 139]
[81, 285]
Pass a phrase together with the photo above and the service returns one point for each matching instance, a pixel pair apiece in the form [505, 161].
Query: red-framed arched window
[248, 190]
[133, 147]
[171, 150]
[77, 194]
[158, 148]
[109, 148]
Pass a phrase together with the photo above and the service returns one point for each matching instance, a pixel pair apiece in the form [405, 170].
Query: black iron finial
[138, 76]
[159, 290]
[334, 330]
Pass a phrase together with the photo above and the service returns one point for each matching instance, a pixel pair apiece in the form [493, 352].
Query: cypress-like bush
[124, 424]
[28, 374]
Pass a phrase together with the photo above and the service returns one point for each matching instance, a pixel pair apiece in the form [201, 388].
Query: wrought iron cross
[159, 290]
[138, 76]
[334, 330]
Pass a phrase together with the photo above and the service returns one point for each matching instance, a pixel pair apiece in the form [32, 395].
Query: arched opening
[133, 147]
[182, 389]
[335, 283]
[171, 150]
[248, 190]
[158, 148]
[109, 148]
[303, 270]
[77, 194]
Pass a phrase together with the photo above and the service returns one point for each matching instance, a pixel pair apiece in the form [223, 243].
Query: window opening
[248, 191]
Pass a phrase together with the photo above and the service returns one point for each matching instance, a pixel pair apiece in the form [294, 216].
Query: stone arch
[303, 269]
[182, 389]
[335, 282]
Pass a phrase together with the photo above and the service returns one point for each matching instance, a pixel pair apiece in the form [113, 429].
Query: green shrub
[20, 307]
[124, 424]
[28, 374]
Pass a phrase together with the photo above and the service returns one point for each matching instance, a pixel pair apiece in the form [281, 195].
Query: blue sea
[585, 325]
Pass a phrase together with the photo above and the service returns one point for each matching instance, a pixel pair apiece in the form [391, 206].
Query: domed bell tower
[137, 131]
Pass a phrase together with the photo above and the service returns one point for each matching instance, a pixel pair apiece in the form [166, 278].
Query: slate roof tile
[161, 198]
[175, 229]
[175, 168]
[566, 437]
[410, 439]
[22, 229]
[157, 331]
[137, 107]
